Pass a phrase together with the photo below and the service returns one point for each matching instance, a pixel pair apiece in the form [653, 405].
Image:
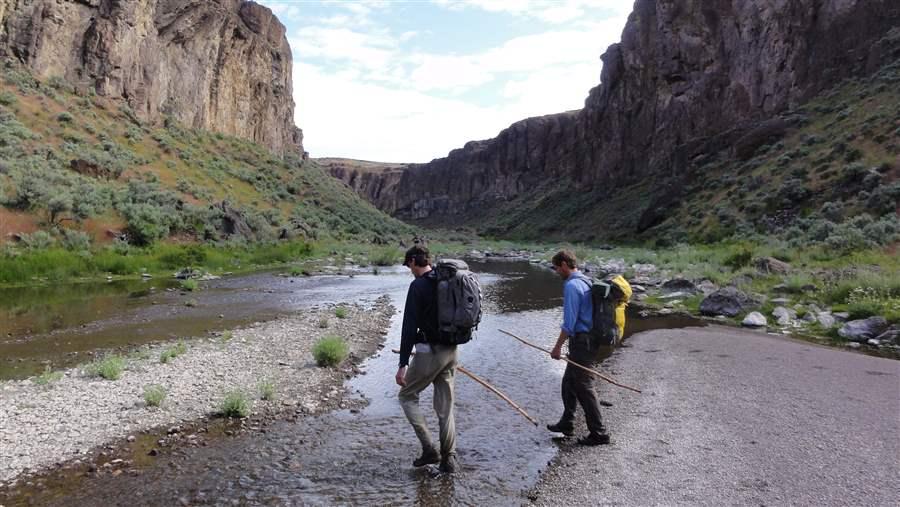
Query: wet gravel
[43, 425]
[731, 417]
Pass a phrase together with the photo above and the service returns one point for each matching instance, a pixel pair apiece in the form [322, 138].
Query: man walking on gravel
[577, 385]
[433, 364]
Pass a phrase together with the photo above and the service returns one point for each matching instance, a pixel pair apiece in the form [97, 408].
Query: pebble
[100, 412]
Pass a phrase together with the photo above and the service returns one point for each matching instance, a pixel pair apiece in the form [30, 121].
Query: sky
[408, 81]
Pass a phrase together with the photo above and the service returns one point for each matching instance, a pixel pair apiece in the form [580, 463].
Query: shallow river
[348, 457]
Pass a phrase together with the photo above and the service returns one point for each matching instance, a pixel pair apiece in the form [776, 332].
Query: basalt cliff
[219, 65]
[689, 78]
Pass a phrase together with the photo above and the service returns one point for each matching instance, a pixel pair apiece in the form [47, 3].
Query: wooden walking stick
[594, 372]
[491, 388]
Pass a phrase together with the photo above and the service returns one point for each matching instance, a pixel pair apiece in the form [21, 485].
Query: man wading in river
[576, 383]
[433, 364]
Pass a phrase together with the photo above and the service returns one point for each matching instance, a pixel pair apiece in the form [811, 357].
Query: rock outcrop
[689, 77]
[220, 65]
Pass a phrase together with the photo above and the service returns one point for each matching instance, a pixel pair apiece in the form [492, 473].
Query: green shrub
[235, 404]
[340, 312]
[109, 368]
[323, 323]
[154, 395]
[384, 256]
[38, 240]
[739, 259]
[76, 241]
[172, 352]
[190, 284]
[330, 351]
[65, 117]
[8, 99]
[48, 377]
[267, 389]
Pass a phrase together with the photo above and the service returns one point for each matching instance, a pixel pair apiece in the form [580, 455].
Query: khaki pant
[437, 367]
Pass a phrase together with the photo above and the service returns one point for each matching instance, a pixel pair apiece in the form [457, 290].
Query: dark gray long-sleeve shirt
[420, 314]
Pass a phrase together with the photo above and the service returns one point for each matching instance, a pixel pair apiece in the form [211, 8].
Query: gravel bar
[63, 421]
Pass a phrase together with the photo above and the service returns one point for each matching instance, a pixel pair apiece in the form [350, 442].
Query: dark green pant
[577, 384]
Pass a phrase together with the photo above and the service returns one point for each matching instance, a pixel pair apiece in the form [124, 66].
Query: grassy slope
[45, 126]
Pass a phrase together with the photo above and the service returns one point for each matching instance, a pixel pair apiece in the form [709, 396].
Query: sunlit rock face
[220, 65]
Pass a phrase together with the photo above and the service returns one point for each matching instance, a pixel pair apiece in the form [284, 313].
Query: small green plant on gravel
[109, 368]
[189, 284]
[235, 404]
[172, 352]
[384, 256]
[48, 377]
[323, 323]
[154, 395]
[340, 312]
[330, 351]
[226, 336]
[267, 389]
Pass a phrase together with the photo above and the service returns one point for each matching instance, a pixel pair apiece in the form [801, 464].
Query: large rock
[784, 316]
[771, 265]
[680, 285]
[864, 329]
[688, 78]
[727, 301]
[754, 319]
[892, 336]
[826, 320]
[220, 65]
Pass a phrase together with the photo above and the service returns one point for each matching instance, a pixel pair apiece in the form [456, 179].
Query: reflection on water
[365, 457]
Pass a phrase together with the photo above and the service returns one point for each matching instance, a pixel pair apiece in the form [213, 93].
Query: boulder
[754, 319]
[728, 301]
[784, 316]
[611, 266]
[863, 329]
[679, 285]
[826, 320]
[707, 287]
[892, 336]
[640, 269]
[771, 265]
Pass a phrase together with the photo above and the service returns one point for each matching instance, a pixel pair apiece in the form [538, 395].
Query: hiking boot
[449, 465]
[594, 439]
[428, 457]
[561, 428]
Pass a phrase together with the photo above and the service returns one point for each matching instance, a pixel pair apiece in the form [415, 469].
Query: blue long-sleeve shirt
[420, 314]
[577, 304]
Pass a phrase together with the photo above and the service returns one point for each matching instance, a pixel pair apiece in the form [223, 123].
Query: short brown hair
[565, 256]
[418, 255]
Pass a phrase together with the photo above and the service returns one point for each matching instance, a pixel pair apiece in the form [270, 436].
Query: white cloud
[550, 11]
[361, 93]
[350, 118]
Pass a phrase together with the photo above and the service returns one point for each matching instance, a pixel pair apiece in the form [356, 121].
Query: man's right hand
[400, 378]
[556, 353]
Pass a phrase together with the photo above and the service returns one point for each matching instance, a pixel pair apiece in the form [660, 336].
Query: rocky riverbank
[764, 293]
[65, 419]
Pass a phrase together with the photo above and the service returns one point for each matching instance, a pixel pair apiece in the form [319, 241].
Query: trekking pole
[585, 368]
[491, 388]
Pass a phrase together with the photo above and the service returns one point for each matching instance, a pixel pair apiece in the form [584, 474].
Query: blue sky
[407, 81]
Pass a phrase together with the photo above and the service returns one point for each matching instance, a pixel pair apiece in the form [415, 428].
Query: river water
[362, 457]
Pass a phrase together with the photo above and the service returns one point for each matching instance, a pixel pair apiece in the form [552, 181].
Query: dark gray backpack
[458, 302]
